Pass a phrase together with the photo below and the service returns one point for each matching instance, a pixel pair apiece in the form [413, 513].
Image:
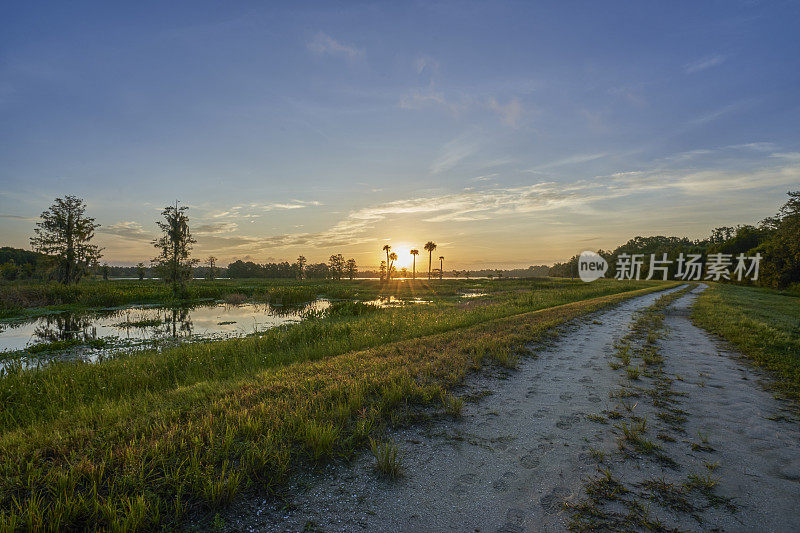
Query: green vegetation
[145, 439]
[776, 239]
[64, 233]
[56, 346]
[387, 458]
[763, 324]
[141, 323]
[173, 263]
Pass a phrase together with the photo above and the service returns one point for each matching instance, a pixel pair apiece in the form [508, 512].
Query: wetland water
[91, 333]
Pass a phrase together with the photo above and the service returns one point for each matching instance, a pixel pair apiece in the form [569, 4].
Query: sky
[510, 133]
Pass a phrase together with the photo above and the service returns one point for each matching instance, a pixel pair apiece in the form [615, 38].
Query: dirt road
[613, 427]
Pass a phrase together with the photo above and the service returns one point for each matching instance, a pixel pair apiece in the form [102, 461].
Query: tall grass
[143, 441]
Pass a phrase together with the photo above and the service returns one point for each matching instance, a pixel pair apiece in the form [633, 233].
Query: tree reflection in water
[177, 322]
[65, 327]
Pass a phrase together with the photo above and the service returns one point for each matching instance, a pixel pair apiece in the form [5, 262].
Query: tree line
[337, 267]
[775, 238]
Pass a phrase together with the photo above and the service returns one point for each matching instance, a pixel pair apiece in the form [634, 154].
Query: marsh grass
[235, 298]
[141, 441]
[55, 346]
[142, 323]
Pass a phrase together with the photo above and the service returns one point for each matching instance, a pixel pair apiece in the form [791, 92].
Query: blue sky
[511, 133]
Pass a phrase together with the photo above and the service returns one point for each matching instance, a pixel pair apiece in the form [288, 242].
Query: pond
[91, 333]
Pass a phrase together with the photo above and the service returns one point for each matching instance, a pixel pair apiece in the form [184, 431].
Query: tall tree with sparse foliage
[350, 268]
[301, 265]
[65, 232]
[173, 263]
[211, 261]
[336, 266]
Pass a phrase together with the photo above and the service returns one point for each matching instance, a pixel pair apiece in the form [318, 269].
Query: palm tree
[393, 257]
[430, 246]
[387, 248]
[441, 266]
[414, 253]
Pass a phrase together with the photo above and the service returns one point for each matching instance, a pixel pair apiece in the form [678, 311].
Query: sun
[404, 258]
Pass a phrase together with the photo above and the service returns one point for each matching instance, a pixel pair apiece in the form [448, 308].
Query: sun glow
[404, 257]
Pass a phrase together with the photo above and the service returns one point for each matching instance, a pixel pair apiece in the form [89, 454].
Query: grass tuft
[387, 458]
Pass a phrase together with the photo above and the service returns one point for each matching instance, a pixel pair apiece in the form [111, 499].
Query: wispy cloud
[486, 177]
[717, 113]
[433, 95]
[704, 63]
[633, 95]
[510, 112]
[216, 228]
[740, 150]
[454, 152]
[789, 156]
[18, 217]
[324, 44]
[572, 160]
[421, 98]
[255, 210]
[495, 203]
[756, 146]
[426, 65]
[688, 155]
[467, 205]
[294, 204]
[705, 182]
[127, 230]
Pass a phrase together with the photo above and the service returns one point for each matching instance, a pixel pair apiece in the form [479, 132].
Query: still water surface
[147, 326]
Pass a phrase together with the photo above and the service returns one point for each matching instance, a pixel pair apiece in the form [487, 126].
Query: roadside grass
[140, 442]
[763, 324]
